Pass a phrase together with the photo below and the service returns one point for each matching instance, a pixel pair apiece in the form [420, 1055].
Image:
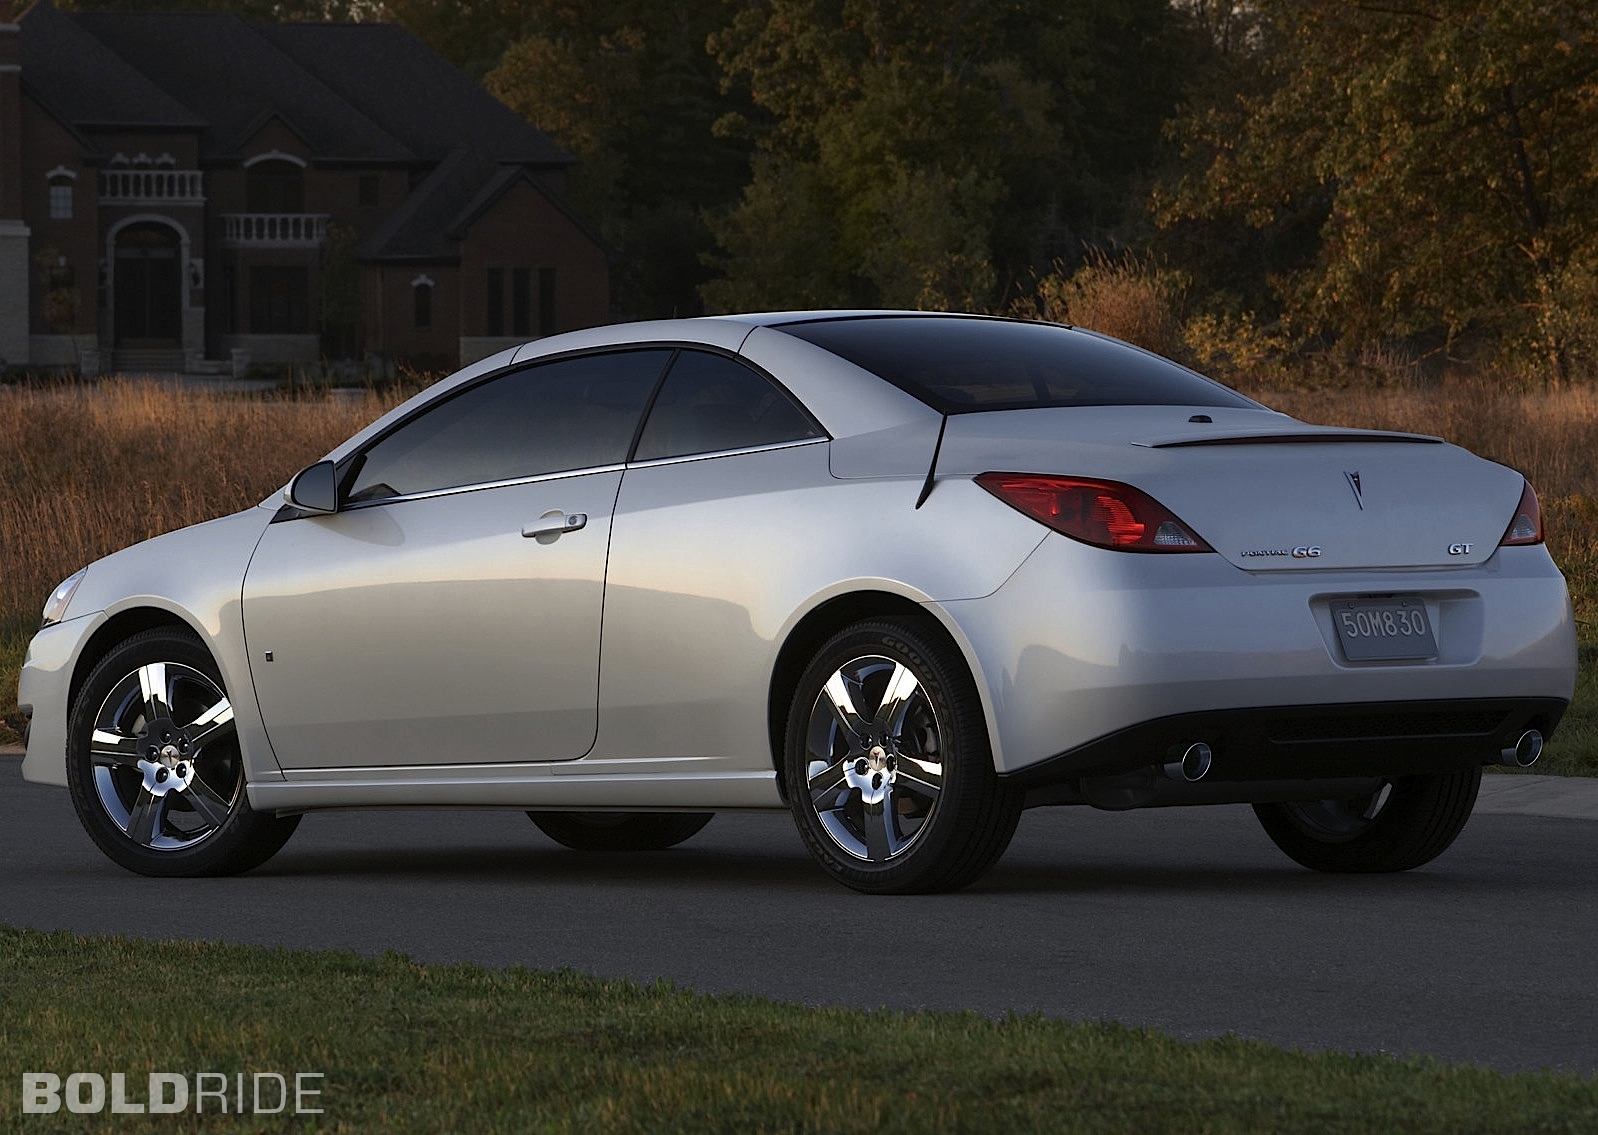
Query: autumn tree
[1447, 154]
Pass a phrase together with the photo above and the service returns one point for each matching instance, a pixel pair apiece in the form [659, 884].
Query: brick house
[187, 191]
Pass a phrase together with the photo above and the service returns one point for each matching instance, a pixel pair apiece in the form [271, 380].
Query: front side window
[711, 403]
[575, 413]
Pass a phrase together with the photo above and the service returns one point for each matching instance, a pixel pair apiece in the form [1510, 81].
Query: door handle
[555, 523]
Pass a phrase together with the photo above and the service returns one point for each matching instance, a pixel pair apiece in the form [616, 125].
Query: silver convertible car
[905, 574]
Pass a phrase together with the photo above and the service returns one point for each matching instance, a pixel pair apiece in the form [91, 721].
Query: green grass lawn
[409, 1048]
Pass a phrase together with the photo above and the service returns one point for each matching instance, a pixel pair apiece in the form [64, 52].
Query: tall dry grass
[1551, 436]
[85, 470]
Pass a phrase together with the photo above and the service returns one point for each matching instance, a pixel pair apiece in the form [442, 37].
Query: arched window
[274, 186]
[422, 303]
[63, 183]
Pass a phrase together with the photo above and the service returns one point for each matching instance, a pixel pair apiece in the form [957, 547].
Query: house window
[280, 300]
[521, 301]
[60, 199]
[366, 188]
[546, 301]
[274, 187]
[422, 303]
[496, 302]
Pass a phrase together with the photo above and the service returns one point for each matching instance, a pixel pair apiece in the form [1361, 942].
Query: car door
[449, 612]
[704, 539]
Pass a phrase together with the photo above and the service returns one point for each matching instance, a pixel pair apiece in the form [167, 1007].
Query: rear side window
[572, 413]
[961, 365]
[711, 403]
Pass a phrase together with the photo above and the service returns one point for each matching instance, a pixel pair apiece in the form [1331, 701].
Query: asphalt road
[1184, 920]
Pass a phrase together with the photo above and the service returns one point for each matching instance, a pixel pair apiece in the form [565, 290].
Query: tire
[887, 765]
[1407, 822]
[154, 766]
[619, 831]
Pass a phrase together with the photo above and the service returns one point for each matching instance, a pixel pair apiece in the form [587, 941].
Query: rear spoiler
[1293, 437]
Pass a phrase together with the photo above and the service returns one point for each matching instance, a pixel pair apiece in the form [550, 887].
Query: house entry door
[149, 287]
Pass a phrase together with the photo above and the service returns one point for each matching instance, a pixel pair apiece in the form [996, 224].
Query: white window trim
[276, 156]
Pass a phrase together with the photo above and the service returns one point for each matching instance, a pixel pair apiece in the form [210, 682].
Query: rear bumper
[1313, 742]
[1092, 662]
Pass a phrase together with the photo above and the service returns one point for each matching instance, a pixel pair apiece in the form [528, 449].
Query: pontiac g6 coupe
[904, 574]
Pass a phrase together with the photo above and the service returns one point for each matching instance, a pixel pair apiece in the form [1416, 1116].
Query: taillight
[1527, 526]
[1106, 514]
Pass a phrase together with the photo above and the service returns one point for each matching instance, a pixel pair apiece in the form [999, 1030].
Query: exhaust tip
[1527, 748]
[1194, 765]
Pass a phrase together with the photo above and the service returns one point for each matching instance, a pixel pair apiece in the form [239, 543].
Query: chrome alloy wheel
[873, 768]
[163, 752]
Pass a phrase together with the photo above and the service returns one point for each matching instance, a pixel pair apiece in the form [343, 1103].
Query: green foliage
[1442, 152]
[929, 154]
[426, 1048]
[628, 87]
[340, 291]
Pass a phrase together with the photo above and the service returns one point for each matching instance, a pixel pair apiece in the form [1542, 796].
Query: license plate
[1384, 630]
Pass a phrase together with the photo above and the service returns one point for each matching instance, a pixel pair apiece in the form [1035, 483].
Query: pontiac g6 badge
[1302, 552]
[1359, 491]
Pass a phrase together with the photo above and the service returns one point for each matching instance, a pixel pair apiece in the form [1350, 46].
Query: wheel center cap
[159, 779]
[169, 752]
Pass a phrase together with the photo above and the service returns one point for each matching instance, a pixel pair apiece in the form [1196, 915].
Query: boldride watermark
[171, 1093]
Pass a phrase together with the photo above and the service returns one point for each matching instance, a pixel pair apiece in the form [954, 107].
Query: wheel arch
[118, 628]
[832, 615]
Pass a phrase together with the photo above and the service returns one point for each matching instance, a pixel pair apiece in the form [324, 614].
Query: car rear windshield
[966, 364]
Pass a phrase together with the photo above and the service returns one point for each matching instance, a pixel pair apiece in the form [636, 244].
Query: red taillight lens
[1527, 526]
[1106, 514]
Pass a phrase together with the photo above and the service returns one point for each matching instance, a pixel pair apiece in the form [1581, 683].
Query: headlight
[56, 607]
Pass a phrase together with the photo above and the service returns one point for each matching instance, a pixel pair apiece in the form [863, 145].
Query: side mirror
[315, 488]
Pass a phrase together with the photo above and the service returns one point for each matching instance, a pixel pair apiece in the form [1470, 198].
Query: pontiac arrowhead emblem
[1359, 492]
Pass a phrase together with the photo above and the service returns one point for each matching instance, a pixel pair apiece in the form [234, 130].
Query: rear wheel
[888, 767]
[154, 765]
[619, 831]
[1405, 823]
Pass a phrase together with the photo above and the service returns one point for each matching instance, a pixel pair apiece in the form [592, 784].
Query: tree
[629, 88]
[933, 153]
[1445, 152]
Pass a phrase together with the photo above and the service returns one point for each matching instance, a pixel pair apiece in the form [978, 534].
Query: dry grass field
[85, 470]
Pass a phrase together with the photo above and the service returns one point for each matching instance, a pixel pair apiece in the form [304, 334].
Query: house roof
[86, 84]
[368, 94]
[420, 97]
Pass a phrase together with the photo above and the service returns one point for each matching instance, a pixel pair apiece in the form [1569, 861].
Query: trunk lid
[1267, 492]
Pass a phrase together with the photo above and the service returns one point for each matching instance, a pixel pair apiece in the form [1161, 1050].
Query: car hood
[1259, 486]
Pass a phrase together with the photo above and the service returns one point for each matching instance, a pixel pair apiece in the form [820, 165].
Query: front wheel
[1405, 823]
[619, 831]
[154, 765]
[887, 764]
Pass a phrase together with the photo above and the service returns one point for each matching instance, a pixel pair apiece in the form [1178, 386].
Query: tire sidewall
[225, 849]
[963, 748]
